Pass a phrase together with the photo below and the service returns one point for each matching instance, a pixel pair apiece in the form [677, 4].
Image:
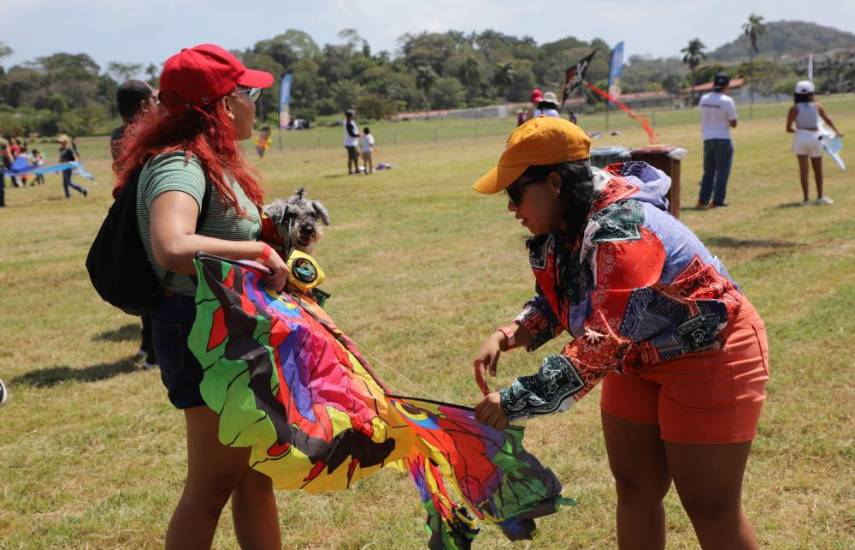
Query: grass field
[421, 269]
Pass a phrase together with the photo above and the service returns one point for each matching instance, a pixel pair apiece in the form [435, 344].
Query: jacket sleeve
[539, 320]
[620, 268]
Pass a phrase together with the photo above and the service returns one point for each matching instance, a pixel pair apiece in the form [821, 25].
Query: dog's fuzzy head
[298, 220]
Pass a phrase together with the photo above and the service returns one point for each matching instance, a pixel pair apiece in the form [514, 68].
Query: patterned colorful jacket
[636, 289]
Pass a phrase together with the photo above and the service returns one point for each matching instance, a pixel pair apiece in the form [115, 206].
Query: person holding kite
[67, 154]
[807, 142]
[652, 313]
[192, 167]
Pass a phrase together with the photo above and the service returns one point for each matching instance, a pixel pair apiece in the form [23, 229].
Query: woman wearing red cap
[188, 150]
[652, 313]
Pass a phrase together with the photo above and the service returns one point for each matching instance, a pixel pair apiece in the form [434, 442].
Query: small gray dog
[295, 222]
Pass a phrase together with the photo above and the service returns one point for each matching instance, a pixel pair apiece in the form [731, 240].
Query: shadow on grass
[124, 333]
[46, 378]
[748, 243]
[790, 205]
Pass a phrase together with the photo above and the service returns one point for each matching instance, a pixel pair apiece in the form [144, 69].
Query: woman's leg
[803, 175]
[816, 162]
[638, 463]
[214, 471]
[708, 479]
[254, 512]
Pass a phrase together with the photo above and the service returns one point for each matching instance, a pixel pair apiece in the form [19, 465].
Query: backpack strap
[206, 202]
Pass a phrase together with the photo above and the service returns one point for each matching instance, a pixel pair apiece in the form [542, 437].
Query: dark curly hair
[576, 193]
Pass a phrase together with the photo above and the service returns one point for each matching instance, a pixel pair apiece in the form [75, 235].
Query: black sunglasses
[516, 191]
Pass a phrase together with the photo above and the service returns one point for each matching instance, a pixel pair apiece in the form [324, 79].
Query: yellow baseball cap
[540, 141]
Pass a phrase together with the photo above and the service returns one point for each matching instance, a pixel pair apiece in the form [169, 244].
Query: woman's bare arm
[174, 241]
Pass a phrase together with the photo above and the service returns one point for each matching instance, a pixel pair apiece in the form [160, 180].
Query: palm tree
[425, 81]
[693, 54]
[504, 77]
[754, 29]
[470, 74]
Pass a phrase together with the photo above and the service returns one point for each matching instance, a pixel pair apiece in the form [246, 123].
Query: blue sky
[150, 30]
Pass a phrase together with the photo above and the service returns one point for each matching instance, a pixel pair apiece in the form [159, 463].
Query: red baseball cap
[203, 74]
[536, 95]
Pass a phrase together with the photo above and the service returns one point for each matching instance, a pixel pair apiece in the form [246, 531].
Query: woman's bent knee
[632, 487]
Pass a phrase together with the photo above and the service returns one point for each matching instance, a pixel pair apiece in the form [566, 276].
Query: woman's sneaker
[824, 200]
[4, 394]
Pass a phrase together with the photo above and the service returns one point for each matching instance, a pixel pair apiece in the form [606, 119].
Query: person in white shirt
[351, 141]
[805, 114]
[366, 145]
[718, 116]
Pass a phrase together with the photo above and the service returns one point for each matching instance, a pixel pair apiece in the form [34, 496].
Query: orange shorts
[703, 397]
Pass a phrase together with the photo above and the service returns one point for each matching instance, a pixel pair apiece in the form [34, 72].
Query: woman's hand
[487, 360]
[489, 411]
[279, 271]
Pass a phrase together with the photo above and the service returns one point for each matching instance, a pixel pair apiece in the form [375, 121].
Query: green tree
[693, 54]
[374, 107]
[448, 93]
[470, 74]
[426, 79]
[124, 71]
[503, 78]
[5, 51]
[753, 29]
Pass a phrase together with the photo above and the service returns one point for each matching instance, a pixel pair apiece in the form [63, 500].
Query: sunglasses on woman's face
[252, 93]
[516, 191]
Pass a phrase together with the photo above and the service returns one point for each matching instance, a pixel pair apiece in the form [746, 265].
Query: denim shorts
[180, 372]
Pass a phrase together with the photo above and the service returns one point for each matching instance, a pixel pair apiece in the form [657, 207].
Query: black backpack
[117, 261]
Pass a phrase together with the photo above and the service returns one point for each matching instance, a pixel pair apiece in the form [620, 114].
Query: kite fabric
[285, 100]
[22, 167]
[575, 76]
[831, 144]
[641, 119]
[288, 384]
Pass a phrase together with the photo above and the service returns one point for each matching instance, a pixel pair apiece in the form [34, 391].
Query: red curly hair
[207, 134]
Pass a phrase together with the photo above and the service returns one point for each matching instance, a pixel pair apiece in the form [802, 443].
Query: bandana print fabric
[636, 289]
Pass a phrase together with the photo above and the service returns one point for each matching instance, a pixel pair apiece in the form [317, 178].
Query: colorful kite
[575, 77]
[290, 385]
[652, 138]
[22, 167]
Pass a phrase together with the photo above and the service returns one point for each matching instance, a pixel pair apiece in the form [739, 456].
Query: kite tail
[641, 119]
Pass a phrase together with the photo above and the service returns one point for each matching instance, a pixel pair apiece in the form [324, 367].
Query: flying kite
[574, 77]
[291, 386]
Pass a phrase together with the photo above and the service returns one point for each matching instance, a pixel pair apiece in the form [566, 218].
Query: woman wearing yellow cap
[652, 313]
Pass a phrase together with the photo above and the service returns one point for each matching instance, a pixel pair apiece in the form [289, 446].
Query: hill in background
[787, 38]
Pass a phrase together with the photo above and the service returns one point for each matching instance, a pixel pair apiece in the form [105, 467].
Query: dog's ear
[276, 211]
[298, 195]
[321, 212]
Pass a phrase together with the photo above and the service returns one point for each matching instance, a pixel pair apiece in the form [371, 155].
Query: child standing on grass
[366, 146]
[37, 159]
